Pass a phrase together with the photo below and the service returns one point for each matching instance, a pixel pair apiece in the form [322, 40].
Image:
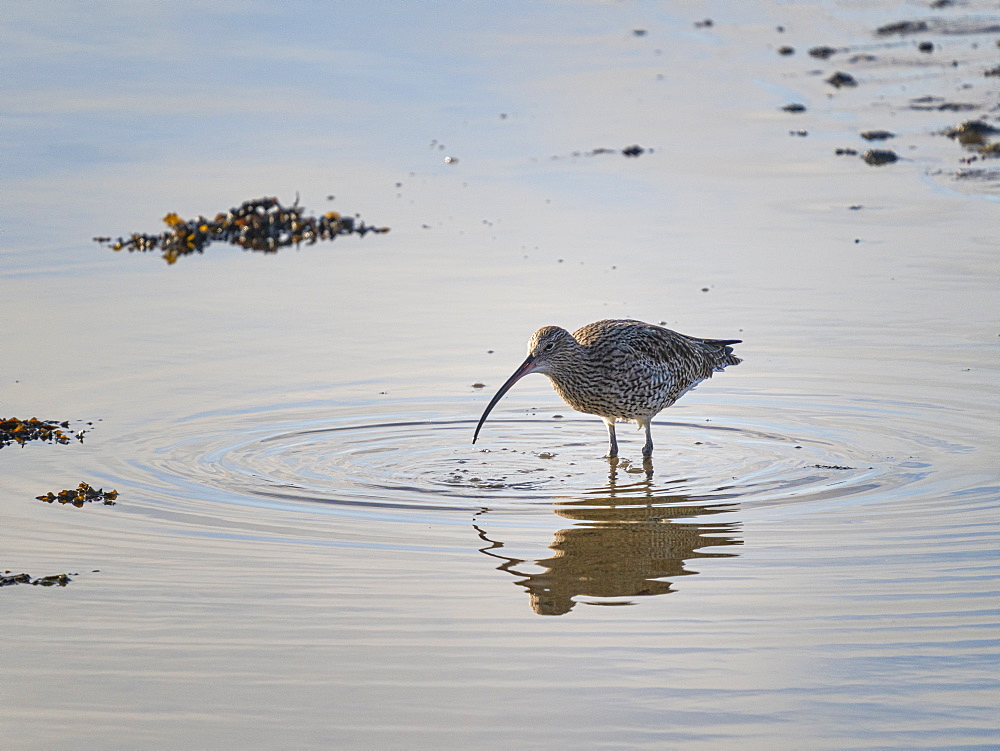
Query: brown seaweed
[262, 225]
[14, 430]
[8, 579]
[81, 495]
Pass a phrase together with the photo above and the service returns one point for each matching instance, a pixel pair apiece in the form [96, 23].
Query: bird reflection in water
[627, 540]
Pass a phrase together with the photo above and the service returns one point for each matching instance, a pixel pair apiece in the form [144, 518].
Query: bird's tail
[724, 352]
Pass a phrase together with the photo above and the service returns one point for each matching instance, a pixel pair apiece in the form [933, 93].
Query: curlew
[620, 370]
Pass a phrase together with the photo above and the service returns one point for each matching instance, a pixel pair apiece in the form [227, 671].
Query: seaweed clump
[14, 430]
[8, 579]
[81, 495]
[262, 225]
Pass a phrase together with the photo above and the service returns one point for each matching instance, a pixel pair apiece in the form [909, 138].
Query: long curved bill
[526, 367]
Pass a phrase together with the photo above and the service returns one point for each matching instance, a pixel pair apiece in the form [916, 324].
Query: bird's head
[549, 346]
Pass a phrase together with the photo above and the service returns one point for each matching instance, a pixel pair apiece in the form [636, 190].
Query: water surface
[307, 549]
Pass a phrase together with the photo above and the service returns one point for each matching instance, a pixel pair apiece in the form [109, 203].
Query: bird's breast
[616, 388]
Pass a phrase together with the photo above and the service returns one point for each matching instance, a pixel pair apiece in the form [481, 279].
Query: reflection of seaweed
[81, 495]
[13, 430]
[8, 579]
[263, 225]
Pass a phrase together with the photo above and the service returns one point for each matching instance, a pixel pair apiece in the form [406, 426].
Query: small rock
[822, 52]
[902, 27]
[794, 107]
[840, 79]
[877, 135]
[972, 132]
[877, 157]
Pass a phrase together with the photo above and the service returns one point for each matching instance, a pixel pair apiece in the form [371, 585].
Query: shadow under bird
[620, 370]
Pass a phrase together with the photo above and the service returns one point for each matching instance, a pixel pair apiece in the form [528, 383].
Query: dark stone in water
[877, 135]
[822, 52]
[878, 157]
[794, 107]
[972, 132]
[840, 79]
[902, 27]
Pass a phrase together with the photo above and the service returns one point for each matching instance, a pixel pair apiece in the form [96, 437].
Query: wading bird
[620, 370]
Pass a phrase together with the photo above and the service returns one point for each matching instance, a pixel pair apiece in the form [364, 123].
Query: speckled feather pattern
[620, 370]
[624, 369]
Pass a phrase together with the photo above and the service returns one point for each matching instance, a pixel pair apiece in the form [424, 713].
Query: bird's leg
[613, 451]
[647, 450]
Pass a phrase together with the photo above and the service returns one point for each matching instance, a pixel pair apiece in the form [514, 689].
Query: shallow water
[308, 551]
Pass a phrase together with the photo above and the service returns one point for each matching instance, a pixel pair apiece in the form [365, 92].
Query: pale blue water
[308, 551]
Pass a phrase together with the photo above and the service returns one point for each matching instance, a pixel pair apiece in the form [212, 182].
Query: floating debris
[8, 579]
[794, 107]
[987, 175]
[786, 50]
[878, 157]
[877, 135]
[902, 27]
[822, 52]
[629, 151]
[926, 46]
[934, 103]
[951, 26]
[846, 152]
[704, 24]
[840, 79]
[81, 495]
[263, 225]
[13, 430]
[831, 466]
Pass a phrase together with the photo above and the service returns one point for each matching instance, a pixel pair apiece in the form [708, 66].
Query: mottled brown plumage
[620, 370]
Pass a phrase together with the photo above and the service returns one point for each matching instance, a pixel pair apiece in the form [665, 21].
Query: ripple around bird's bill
[406, 459]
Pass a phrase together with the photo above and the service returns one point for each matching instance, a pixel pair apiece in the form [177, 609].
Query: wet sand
[305, 548]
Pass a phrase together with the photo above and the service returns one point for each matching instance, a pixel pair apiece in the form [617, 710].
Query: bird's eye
[549, 347]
